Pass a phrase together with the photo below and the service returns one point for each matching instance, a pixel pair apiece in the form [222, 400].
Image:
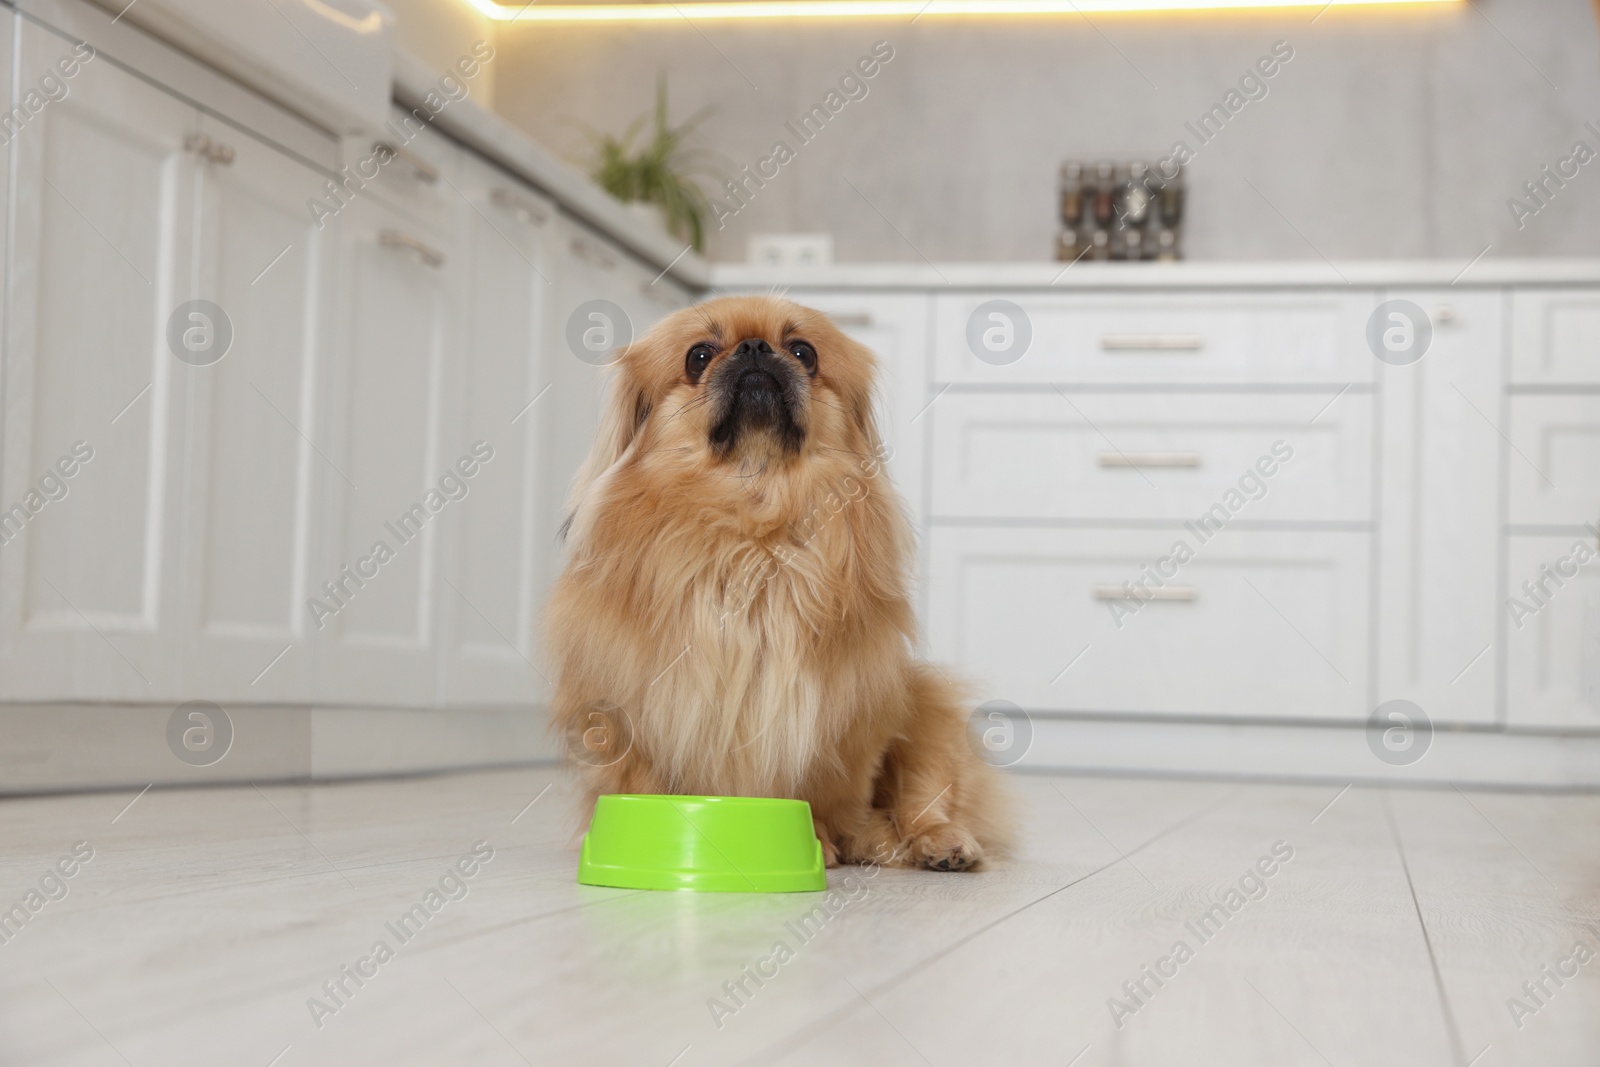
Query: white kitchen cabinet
[1143, 456]
[1555, 458]
[103, 205]
[588, 270]
[253, 468]
[1551, 615]
[895, 327]
[493, 553]
[411, 167]
[1554, 334]
[397, 339]
[1233, 338]
[8, 28]
[1439, 470]
[1262, 624]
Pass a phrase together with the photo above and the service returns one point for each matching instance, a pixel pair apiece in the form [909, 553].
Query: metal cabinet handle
[424, 171]
[1152, 342]
[861, 319]
[519, 207]
[404, 242]
[588, 250]
[208, 150]
[1149, 459]
[1165, 592]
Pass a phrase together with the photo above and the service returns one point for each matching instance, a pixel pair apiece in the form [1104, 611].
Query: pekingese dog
[733, 618]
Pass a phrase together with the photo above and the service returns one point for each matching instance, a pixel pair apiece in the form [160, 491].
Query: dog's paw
[830, 851]
[946, 848]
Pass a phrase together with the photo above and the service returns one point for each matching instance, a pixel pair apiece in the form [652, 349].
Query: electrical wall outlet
[791, 249]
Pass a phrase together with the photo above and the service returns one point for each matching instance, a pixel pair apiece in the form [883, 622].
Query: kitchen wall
[440, 32]
[1388, 134]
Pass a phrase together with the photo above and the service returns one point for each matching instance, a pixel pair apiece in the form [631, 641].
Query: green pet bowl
[710, 844]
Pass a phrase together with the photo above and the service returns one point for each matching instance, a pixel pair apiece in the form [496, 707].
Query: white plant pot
[651, 214]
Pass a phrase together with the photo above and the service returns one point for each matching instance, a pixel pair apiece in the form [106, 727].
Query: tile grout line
[1452, 1030]
[811, 1030]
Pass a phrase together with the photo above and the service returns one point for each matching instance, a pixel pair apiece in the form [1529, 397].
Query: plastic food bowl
[710, 844]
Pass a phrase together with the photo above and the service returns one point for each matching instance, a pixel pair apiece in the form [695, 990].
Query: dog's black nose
[751, 347]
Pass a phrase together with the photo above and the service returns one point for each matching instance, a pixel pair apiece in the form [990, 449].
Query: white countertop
[482, 130]
[1222, 275]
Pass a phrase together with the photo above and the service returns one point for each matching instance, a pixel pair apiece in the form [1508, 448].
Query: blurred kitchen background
[288, 280]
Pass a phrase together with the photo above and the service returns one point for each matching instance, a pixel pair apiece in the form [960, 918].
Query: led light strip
[910, 9]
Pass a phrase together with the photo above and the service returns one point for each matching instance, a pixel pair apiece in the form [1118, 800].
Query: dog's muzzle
[756, 389]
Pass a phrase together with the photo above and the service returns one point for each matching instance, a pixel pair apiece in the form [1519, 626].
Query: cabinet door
[1439, 468]
[103, 202]
[895, 328]
[1554, 336]
[585, 268]
[374, 594]
[503, 398]
[589, 272]
[257, 423]
[1271, 625]
[1552, 619]
[8, 133]
[1555, 480]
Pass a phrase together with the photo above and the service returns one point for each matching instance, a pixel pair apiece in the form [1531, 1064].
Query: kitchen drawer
[1555, 468]
[1152, 456]
[1555, 336]
[422, 172]
[1553, 633]
[1258, 624]
[1220, 338]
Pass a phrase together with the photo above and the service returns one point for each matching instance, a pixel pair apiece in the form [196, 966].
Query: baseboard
[54, 747]
[1461, 755]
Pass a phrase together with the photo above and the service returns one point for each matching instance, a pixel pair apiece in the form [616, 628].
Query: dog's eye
[699, 358]
[804, 353]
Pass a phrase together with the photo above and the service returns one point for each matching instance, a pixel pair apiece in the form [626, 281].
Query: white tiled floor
[207, 919]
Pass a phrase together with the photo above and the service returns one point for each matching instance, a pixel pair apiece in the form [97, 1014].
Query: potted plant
[661, 171]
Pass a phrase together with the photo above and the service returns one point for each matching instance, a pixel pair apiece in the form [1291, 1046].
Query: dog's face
[741, 380]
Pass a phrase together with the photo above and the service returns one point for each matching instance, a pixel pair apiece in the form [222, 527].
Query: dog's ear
[622, 415]
[862, 397]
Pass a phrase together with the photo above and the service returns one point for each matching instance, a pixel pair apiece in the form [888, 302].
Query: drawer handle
[861, 319]
[1152, 342]
[404, 242]
[520, 208]
[1166, 592]
[1149, 459]
[588, 250]
[209, 150]
[424, 171]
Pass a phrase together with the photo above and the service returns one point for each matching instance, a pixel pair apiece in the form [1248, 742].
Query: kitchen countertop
[485, 132]
[1191, 274]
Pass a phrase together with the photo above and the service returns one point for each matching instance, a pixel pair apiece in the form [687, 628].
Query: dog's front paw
[830, 854]
[946, 848]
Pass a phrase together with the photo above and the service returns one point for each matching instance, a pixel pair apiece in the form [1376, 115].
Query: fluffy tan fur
[736, 621]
